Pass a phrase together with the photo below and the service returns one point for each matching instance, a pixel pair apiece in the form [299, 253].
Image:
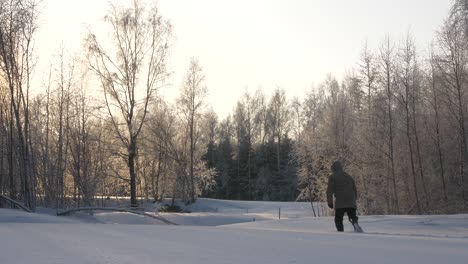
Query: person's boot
[355, 224]
[339, 225]
[354, 220]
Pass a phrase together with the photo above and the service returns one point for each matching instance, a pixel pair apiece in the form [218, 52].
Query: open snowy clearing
[224, 232]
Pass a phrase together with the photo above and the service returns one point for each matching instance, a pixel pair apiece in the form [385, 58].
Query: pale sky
[256, 43]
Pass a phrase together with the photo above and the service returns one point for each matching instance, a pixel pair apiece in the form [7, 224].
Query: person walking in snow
[342, 186]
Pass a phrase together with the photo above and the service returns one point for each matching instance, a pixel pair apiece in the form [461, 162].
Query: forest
[99, 127]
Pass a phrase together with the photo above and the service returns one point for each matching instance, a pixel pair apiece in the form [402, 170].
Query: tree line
[100, 128]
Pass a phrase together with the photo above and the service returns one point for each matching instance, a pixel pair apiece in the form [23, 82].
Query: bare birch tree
[406, 85]
[191, 102]
[131, 77]
[435, 102]
[452, 62]
[18, 24]
[386, 60]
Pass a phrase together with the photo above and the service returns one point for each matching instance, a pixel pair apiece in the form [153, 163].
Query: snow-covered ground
[230, 232]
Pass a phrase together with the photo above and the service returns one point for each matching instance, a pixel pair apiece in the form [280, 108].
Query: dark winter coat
[342, 186]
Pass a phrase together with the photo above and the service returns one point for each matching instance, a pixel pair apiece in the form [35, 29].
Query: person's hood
[336, 167]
